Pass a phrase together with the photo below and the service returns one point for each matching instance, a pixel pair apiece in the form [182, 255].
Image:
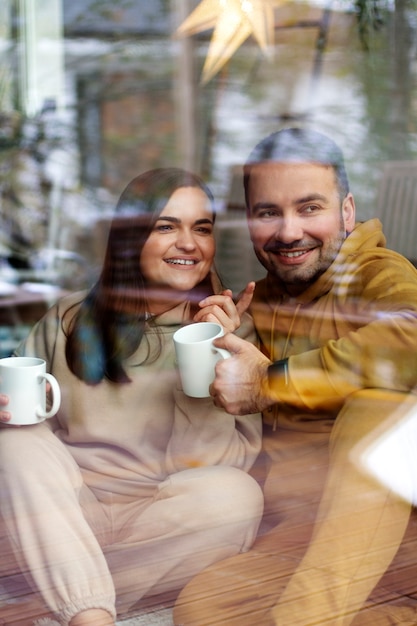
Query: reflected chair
[396, 206]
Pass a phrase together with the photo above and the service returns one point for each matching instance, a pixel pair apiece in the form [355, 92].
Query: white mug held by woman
[23, 380]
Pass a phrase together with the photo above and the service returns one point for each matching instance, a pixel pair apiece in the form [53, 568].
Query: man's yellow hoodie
[354, 328]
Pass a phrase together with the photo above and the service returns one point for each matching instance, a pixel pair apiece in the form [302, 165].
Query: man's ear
[349, 212]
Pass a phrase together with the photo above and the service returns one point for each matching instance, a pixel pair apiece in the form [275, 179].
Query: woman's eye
[267, 214]
[204, 230]
[162, 228]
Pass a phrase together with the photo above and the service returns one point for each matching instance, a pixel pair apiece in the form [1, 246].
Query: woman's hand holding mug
[4, 413]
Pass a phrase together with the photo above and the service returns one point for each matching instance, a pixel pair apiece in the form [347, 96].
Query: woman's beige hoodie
[126, 438]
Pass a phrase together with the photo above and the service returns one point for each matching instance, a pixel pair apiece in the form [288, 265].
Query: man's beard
[299, 278]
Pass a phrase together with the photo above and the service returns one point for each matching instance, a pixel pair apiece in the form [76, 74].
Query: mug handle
[225, 354]
[56, 397]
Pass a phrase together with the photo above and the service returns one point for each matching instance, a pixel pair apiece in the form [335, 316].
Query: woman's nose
[185, 241]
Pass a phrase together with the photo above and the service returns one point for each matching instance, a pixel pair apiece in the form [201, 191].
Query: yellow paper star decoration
[233, 21]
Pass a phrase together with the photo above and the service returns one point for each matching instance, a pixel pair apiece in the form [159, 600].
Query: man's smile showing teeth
[292, 255]
[181, 261]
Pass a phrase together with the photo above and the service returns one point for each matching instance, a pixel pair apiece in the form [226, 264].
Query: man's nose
[289, 229]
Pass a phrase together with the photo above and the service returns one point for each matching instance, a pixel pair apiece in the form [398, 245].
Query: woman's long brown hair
[110, 322]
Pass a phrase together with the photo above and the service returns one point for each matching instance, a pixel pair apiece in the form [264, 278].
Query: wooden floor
[397, 595]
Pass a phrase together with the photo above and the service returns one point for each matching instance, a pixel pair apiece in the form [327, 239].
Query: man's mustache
[277, 246]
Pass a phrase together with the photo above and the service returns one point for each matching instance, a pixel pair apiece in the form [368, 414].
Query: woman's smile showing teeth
[181, 261]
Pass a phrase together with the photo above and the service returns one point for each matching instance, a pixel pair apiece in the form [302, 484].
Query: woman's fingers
[219, 308]
[245, 298]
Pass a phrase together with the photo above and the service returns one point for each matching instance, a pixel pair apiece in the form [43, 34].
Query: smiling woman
[164, 217]
[135, 487]
[179, 252]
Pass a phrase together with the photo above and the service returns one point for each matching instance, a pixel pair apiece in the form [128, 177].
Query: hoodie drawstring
[284, 350]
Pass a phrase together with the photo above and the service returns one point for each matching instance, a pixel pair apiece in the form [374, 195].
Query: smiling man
[297, 220]
[336, 318]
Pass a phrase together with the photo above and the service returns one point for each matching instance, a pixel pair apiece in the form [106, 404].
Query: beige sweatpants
[333, 533]
[78, 552]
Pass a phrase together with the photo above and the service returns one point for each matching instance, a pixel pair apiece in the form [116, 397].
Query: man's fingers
[231, 342]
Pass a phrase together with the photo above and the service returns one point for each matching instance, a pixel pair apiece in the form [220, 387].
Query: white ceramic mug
[23, 379]
[197, 357]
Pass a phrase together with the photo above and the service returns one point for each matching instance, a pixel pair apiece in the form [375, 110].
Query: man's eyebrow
[311, 197]
[272, 205]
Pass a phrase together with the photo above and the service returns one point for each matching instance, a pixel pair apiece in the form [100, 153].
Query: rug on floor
[161, 617]
[158, 617]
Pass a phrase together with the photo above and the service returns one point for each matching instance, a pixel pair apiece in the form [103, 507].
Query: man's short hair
[298, 145]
